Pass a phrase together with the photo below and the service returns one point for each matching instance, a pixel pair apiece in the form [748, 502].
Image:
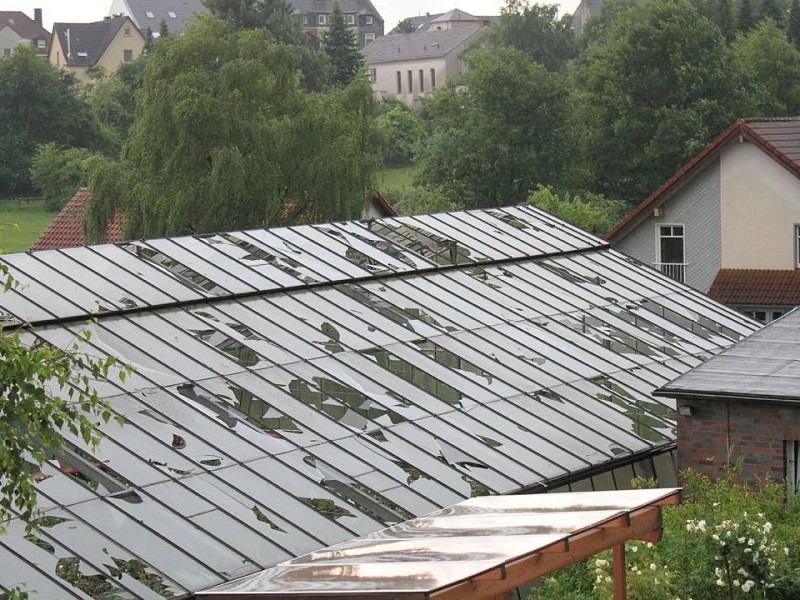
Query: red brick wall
[720, 432]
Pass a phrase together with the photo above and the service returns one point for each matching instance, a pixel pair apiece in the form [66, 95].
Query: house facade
[728, 223]
[150, 14]
[743, 405]
[17, 28]
[91, 49]
[411, 66]
[360, 15]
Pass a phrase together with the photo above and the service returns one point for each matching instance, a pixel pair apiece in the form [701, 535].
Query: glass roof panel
[333, 264]
[364, 232]
[268, 252]
[450, 226]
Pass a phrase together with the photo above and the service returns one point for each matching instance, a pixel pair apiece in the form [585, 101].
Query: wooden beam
[645, 524]
[618, 565]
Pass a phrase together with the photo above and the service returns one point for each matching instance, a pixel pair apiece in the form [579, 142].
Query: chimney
[37, 16]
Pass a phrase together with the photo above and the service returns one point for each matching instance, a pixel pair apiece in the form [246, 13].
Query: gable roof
[765, 366]
[84, 44]
[455, 15]
[759, 287]
[778, 137]
[297, 387]
[420, 23]
[418, 45]
[23, 25]
[66, 230]
[163, 10]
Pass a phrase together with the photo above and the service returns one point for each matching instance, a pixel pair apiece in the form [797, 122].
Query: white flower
[720, 583]
[652, 566]
[747, 585]
[736, 582]
[601, 562]
[636, 548]
[750, 542]
[786, 551]
[741, 540]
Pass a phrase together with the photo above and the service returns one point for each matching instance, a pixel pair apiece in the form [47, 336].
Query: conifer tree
[725, 20]
[771, 10]
[746, 20]
[342, 50]
[793, 28]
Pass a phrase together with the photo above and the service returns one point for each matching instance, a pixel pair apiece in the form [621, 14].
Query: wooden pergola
[480, 549]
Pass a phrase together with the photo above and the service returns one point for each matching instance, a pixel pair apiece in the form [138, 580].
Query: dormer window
[150, 15]
[321, 20]
[172, 15]
[351, 19]
[41, 44]
[369, 20]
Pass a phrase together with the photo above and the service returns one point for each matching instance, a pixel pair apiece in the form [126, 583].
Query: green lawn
[22, 222]
[393, 179]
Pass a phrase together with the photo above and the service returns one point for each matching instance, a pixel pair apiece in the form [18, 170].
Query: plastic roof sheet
[454, 550]
[297, 387]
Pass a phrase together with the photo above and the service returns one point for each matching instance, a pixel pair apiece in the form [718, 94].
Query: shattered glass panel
[459, 226]
[30, 300]
[333, 265]
[205, 248]
[364, 233]
[364, 254]
[192, 278]
[432, 245]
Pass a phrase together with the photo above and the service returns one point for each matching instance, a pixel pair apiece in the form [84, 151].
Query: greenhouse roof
[295, 388]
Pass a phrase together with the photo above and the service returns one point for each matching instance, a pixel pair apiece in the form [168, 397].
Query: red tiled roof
[779, 137]
[66, 230]
[757, 287]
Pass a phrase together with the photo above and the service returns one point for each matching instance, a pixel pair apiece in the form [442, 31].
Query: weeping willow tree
[225, 139]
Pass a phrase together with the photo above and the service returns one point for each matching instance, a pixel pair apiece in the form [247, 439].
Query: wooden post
[620, 585]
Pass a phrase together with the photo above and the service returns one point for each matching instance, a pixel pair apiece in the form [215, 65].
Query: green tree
[38, 104]
[773, 64]
[416, 200]
[224, 139]
[403, 131]
[657, 90]
[339, 43]
[163, 29]
[537, 30]
[724, 18]
[406, 26]
[771, 9]
[501, 134]
[746, 19]
[793, 27]
[590, 212]
[57, 173]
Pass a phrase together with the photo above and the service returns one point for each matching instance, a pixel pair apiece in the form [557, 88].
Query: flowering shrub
[727, 541]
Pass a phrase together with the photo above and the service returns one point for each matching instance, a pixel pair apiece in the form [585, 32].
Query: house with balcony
[17, 28]
[728, 222]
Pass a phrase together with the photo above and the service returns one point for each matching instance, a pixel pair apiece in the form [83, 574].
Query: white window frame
[677, 272]
[172, 15]
[369, 37]
[351, 19]
[792, 454]
[322, 19]
[369, 20]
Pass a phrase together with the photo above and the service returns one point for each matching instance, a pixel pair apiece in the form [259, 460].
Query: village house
[17, 28]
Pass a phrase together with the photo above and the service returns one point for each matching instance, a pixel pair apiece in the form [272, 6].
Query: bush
[592, 212]
[403, 131]
[58, 173]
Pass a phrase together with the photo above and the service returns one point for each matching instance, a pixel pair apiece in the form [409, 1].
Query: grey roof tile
[84, 43]
[418, 45]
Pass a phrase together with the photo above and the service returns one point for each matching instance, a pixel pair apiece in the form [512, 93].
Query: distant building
[85, 49]
[434, 21]
[585, 11]
[410, 66]
[17, 29]
[149, 14]
[360, 15]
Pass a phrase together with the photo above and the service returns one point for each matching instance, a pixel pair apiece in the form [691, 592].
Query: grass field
[22, 222]
[393, 179]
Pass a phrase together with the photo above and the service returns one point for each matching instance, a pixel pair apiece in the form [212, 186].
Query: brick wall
[720, 432]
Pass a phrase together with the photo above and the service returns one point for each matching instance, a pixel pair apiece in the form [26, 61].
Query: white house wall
[385, 84]
[9, 40]
[696, 206]
[762, 206]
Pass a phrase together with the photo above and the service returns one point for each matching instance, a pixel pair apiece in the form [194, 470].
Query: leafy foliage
[341, 48]
[38, 104]
[501, 134]
[225, 139]
[591, 212]
[57, 173]
[537, 30]
[417, 200]
[793, 28]
[403, 131]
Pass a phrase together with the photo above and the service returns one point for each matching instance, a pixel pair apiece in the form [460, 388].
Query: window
[433, 79]
[41, 44]
[369, 37]
[6, 51]
[373, 75]
[127, 55]
[351, 19]
[127, 32]
[792, 450]
[172, 15]
[369, 20]
[150, 15]
[421, 80]
[410, 82]
[765, 315]
[670, 258]
[399, 82]
[797, 246]
[321, 20]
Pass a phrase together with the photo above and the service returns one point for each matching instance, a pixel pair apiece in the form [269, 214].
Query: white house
[728, 222]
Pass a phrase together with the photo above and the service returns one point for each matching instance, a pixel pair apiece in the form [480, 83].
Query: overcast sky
[392, 11]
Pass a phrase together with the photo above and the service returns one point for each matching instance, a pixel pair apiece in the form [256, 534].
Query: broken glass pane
[182, 272]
